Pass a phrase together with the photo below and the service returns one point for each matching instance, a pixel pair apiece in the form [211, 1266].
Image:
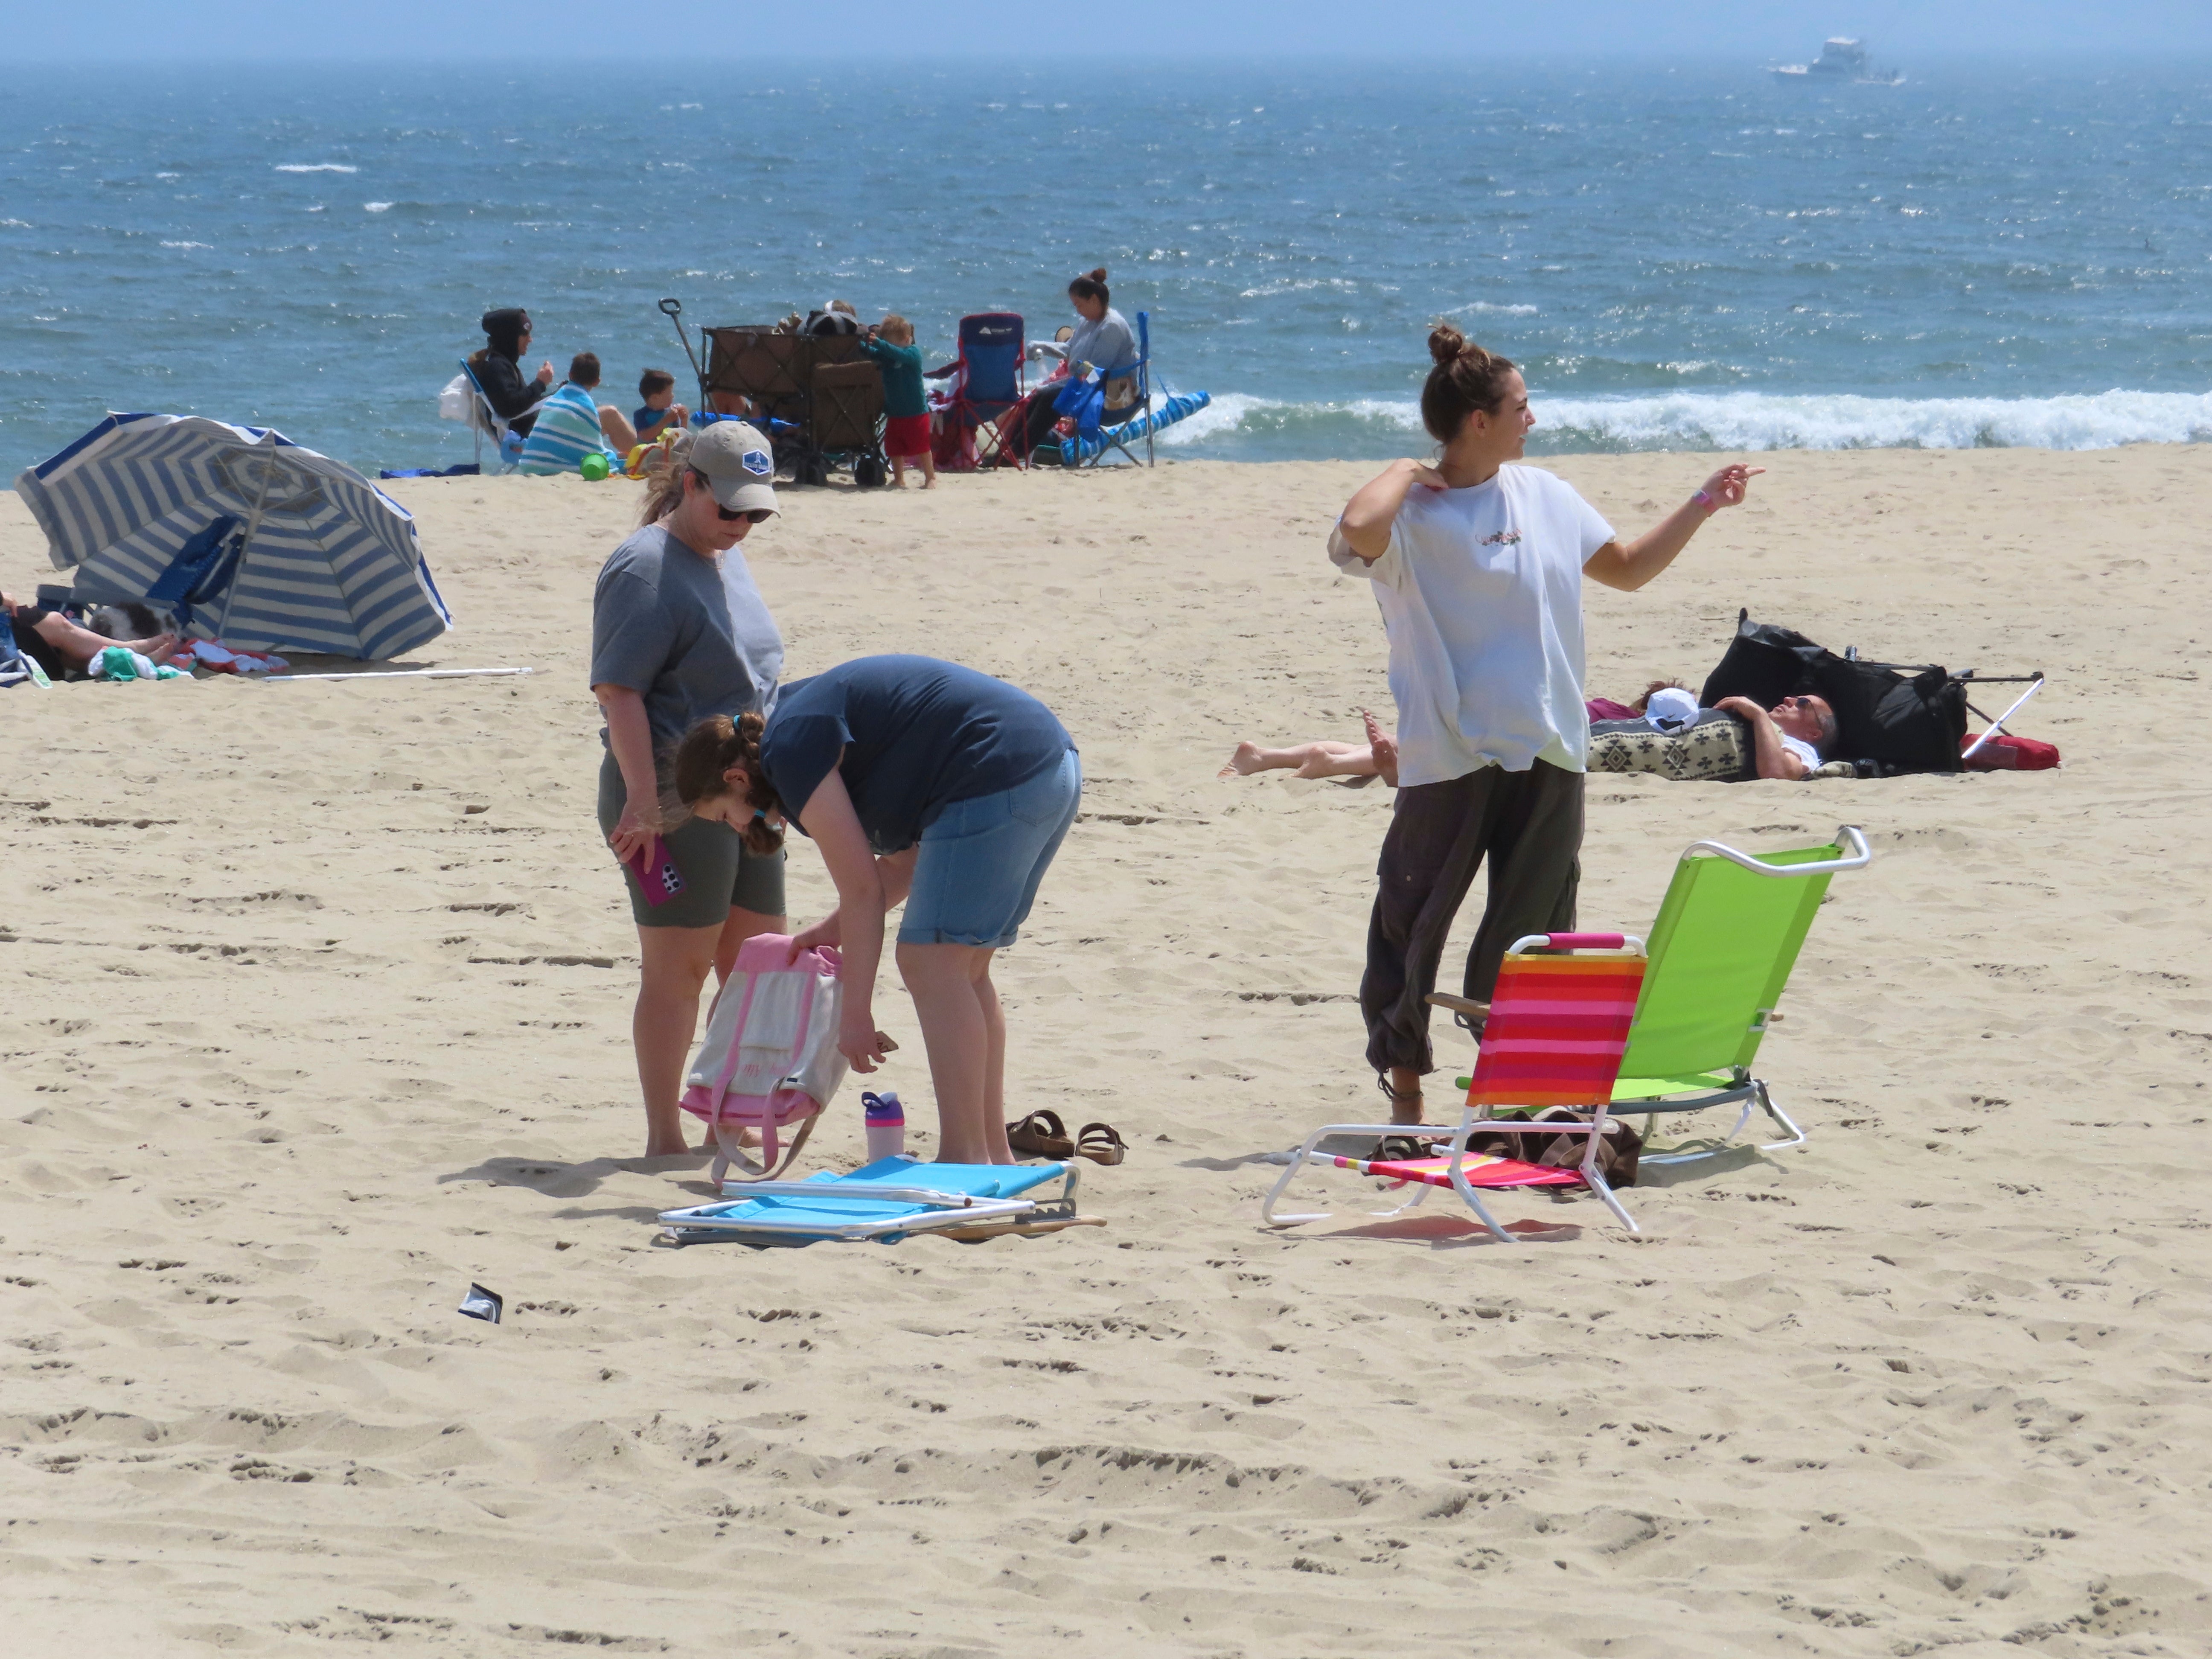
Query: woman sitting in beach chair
[498, 369]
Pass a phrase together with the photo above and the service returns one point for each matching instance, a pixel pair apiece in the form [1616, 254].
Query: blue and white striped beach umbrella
[249, 538]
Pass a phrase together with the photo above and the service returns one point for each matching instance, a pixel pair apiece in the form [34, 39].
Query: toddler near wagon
[906, 411]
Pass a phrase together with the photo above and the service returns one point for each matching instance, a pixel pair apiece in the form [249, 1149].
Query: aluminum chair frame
[489, 419]
[1472, 1120]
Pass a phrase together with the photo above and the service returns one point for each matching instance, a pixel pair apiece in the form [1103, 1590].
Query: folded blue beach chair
[884, 1200]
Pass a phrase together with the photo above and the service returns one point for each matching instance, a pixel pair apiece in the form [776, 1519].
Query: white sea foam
[1752, 420]
[376, 207]
[1745, 420]
[208, 245]
[315, 166]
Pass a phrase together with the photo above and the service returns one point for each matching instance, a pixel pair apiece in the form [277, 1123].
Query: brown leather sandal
[1100, 1143]
[1041, 1134]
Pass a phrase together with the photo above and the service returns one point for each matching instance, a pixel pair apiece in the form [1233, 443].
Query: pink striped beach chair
[1557, 1026]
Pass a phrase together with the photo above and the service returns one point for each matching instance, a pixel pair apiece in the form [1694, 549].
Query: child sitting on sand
[657, 386]
[906, 409]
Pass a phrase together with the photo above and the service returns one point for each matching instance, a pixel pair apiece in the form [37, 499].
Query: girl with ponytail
[1478, 563]
[921, 782]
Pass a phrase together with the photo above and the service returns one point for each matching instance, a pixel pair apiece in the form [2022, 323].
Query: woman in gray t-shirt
[679, 633]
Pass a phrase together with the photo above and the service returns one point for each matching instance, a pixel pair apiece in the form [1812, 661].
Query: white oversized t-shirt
[1481, 595]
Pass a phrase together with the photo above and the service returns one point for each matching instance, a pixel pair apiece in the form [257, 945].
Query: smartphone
[656, 872]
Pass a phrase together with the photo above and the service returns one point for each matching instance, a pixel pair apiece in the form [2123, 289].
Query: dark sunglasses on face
[751, 514]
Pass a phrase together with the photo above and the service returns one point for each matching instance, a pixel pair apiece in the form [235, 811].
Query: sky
[505, 32]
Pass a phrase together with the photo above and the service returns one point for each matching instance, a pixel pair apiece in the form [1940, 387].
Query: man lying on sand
[1789, 741]
[1790, 738]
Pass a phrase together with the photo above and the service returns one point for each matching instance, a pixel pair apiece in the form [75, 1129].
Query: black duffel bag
[1902, 719]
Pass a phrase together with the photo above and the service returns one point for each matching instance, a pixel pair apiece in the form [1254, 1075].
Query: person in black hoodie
[499, 368]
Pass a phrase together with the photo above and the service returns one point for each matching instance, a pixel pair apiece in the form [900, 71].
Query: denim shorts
[981, 860]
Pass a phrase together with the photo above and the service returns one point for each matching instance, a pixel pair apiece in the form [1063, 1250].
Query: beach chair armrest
[1858, 856]
[870, 1191]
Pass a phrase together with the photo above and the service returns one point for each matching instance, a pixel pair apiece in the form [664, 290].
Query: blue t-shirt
[647, 415]
[915, 735]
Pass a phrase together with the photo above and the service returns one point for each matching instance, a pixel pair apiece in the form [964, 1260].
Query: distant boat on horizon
[1841, 59]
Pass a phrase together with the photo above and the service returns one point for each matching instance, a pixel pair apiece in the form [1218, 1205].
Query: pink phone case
[656, 872]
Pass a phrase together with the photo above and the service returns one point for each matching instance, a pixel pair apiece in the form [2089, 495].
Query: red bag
[2006, 753]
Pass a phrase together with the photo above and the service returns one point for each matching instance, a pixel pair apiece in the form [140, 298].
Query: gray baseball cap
[738, 463]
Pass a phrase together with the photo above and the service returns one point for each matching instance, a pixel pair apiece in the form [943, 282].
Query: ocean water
[1680, 258]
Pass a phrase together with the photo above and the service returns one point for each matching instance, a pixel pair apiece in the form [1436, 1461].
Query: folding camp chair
[1109, 428]
[1559, 1024]
[488, 422]
[986, 381]
[885, 1200]
[1728, 934]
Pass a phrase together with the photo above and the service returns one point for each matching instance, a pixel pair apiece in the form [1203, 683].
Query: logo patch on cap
[757, 461]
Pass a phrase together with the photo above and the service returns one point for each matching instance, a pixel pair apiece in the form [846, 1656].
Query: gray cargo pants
[1529, 824]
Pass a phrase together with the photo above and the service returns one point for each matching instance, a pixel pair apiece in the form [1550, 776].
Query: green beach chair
[1728, 934]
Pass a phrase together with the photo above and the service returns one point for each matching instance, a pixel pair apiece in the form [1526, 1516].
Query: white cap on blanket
[1671, 710]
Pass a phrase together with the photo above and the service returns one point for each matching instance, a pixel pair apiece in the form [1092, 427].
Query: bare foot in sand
[1382, 746]
[1244, 763]
[157, 650]
[1321, 759]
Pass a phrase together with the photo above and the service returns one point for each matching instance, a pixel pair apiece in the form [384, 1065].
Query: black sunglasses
[752, 515]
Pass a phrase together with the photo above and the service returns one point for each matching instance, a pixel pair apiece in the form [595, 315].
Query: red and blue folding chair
[987, 382]
[1557, 1026]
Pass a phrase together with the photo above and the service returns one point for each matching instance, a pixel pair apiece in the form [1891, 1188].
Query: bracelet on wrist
[1705, 499]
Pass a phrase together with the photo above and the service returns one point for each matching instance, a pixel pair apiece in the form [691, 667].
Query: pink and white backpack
[769, 1057]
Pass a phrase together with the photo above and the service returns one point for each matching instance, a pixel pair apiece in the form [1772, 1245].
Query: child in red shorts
[906, 410]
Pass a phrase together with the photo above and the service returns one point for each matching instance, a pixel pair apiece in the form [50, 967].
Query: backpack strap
[726, 1136]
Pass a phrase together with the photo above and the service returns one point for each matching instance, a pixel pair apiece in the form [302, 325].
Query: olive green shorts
[718, 872]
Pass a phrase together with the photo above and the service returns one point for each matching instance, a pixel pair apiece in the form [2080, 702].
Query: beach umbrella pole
[395, 674]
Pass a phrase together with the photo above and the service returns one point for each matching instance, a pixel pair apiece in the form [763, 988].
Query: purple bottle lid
[883, 1108]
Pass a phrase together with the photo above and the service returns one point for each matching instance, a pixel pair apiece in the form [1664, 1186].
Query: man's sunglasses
[751, 514]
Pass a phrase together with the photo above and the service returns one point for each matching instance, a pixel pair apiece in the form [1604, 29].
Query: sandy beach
[314, 1006]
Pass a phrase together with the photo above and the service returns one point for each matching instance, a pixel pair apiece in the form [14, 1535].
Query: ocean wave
[1753, 420]
[1236, 422]
[206, 245]
[1484, 308]
[376, 207]
[315, 166]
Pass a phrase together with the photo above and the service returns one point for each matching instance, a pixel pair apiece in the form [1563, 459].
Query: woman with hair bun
[1478, 564]
[1105, 341]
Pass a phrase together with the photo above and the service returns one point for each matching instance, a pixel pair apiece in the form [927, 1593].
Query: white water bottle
[886, 1125]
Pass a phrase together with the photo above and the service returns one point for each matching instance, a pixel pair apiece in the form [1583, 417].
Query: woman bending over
[919, 780]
